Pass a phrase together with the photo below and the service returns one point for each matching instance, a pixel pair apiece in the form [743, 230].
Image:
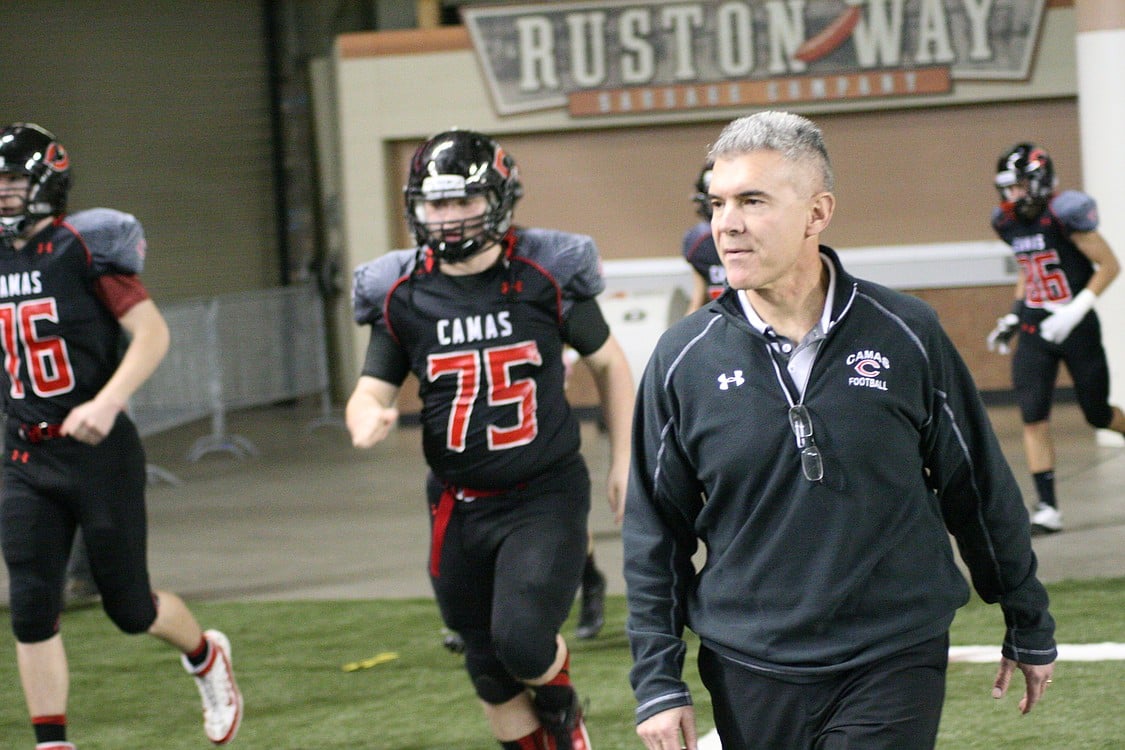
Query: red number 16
[49, 368]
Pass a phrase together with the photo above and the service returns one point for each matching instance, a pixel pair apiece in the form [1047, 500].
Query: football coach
[821, 437]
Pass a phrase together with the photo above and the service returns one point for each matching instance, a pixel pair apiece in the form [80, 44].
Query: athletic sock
[51, 728]
[558, 694]
[534, 741]
[1045, 486]
[198, 657]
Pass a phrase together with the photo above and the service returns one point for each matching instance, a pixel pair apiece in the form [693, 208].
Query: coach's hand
[1037, 677]
[662, 731]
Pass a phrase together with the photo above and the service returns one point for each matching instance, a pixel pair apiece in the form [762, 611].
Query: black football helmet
[458, 164]
[1030, 166]
[31, 151]
[702, 186]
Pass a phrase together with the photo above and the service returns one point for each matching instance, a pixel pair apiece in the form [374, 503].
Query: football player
[69, 290]
[698, 248]
[1065, 264]
[479, 311]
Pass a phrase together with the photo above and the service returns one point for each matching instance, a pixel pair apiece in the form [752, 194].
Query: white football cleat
[1046, 520]
[222, 702]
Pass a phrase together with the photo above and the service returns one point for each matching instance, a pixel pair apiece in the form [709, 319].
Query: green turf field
[130, 693]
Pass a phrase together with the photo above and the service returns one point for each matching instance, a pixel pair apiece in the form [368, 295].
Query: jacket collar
[841, 300]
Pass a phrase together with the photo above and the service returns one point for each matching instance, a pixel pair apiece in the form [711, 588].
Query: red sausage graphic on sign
[830, 37]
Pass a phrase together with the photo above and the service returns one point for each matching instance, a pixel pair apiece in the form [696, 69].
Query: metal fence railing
[232, 352]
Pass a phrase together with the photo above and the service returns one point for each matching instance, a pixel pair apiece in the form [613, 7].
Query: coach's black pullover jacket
[803, 579]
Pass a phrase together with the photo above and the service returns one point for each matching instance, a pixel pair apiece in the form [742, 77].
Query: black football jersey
[487, 350]
[1054, 269]
[60, 342]
[700, 253]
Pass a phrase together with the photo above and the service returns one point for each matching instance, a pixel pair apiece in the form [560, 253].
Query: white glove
[1058, 325]
[1006, 327]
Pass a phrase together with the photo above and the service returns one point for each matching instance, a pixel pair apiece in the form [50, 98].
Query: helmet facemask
[461, 164]
[456, 240]
[13, 216]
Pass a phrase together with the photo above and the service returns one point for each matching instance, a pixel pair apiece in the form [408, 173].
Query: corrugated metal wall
[165, 107]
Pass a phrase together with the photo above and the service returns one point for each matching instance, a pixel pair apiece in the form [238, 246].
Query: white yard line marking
[1067, 652]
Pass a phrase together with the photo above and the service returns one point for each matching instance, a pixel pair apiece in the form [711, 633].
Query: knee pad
[1098, 417]
[525, 651]
[491, 681]
[33, 629]
[132, 617]
[36, 606]
[496, 691]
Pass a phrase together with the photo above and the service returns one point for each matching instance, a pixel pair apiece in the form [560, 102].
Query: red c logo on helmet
[499, 162]
[1036, 158]
[57, 158]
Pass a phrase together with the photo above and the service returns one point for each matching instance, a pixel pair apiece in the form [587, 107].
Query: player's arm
[587, 331]
[1007, 325]
[1058, 325]
[614, 381]
[371, 413]
[1019, 290]
[1094, 246]
[148, 343]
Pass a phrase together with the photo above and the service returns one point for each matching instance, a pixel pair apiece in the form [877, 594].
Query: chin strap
[11, 227]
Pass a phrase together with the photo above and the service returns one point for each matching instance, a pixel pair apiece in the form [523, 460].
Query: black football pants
[51, 489]
[509, 567]
[1035, 367]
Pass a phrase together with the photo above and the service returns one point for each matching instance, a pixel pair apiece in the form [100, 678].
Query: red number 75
[466, 366]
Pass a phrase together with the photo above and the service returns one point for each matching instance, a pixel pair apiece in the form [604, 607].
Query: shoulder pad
[115, 239]
[1076, 210]
[373, 281]
[572, 259]
[997, 216]
[694, 235]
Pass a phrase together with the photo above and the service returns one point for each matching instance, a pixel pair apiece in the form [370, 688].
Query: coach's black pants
[892, 704]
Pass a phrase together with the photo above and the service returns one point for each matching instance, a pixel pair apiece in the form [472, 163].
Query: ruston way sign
[610, 57]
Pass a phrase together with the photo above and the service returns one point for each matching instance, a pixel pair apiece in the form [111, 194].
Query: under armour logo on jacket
[725, 380]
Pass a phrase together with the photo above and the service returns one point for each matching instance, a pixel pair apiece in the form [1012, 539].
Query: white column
[1100, 47]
